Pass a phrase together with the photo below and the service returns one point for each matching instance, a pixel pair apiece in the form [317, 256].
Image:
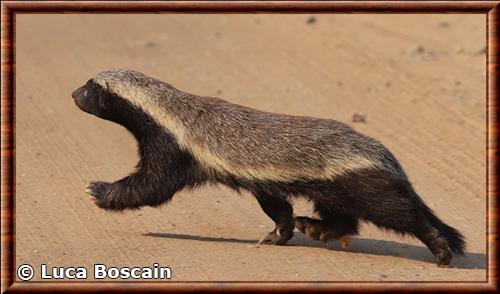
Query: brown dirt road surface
[419, 80]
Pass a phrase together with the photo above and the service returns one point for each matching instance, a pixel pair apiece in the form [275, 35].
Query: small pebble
[359, 117]
[415, 49]
[310, 19]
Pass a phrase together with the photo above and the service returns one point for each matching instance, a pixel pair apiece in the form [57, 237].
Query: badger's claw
[313, 228]
[344, 242]
[97, 190]
[274, 238]
[317, 230]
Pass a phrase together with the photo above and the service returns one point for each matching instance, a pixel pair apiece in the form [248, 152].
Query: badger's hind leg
[400, 211]
[418, 226]
[332, 225]
[436, 242]
[281, 212]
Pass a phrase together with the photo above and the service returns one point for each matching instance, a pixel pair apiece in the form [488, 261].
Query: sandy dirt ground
[419, 80]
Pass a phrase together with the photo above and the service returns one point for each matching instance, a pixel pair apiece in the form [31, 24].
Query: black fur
[376, 195]
[163, 169]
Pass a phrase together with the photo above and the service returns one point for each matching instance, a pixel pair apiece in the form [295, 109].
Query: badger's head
[128, 98]
[96, 100]
[110, 95]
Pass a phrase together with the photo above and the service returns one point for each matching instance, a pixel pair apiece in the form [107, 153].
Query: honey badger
[186, 140]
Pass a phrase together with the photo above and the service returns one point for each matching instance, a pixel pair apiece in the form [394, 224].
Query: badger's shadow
[356, 245]
[199, 238]
[392, 248]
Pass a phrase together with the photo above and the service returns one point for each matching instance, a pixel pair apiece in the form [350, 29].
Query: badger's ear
[107, 86]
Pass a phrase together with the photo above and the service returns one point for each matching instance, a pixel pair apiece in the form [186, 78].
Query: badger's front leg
[281, 212]
[136, 190]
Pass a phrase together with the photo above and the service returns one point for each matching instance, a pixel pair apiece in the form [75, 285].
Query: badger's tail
[454, 237]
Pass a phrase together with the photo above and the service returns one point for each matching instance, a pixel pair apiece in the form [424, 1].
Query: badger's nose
[79, 93]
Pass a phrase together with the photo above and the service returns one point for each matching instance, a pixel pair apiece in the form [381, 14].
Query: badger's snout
[79, 93]
[82, 99]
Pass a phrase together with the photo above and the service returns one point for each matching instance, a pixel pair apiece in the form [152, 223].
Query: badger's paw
[317, 230]
[98, 190]
[344, 242]
[441, 251]
[275, 237]
[313, 228]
